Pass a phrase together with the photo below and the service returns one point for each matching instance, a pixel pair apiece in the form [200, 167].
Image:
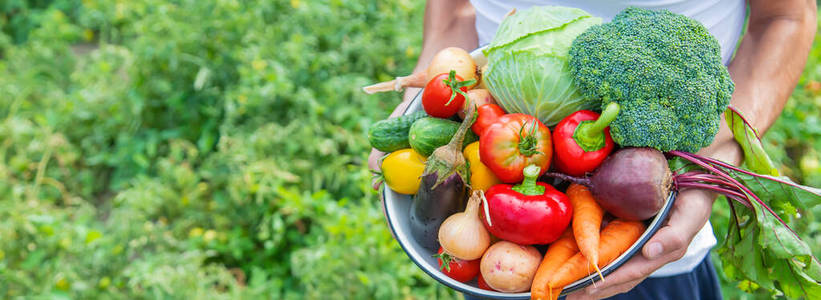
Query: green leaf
[796, 284]
[768, 252]
[749, 255]
[781, 193]
[759, 250]
[755, 158]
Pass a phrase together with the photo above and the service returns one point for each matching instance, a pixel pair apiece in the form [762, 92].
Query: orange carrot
[615, 239]
[587, 215]
[559, 251]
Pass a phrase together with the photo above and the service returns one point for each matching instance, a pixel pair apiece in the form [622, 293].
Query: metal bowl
[397, 210]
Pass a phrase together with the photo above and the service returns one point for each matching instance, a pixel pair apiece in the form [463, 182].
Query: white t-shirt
[723, 18]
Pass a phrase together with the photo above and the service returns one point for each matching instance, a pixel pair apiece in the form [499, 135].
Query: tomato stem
[528, 141]
[528, 186]
[446, 259]
[589, 135]
[456, 86]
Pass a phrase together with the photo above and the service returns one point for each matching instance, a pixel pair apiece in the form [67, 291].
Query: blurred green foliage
[216, 149]
[198, 149]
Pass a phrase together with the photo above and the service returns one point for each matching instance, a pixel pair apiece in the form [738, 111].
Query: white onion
[462, 235]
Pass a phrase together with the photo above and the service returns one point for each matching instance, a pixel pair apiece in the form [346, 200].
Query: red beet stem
[710, 178]
[734, 219]
[743, 119]
[577, 180]
[737, 169]
[698, 160]
[729, 193]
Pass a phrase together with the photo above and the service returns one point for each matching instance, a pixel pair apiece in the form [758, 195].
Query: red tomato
[513, 142]
[488, 114]
[482, 284]
[461, 270]
[436, 98]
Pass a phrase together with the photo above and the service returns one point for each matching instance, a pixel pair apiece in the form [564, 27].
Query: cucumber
[392, 134]
[429, 133]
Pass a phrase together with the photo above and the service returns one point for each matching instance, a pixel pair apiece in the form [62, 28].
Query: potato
[509, 267]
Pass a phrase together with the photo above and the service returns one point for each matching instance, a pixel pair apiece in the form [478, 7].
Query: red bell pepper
[488, 114]
[529, 213]
[582, 140]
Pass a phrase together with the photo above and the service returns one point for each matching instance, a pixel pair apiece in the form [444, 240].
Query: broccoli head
[665, 72]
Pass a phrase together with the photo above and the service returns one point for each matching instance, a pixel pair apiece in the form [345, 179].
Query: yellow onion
[462, 235]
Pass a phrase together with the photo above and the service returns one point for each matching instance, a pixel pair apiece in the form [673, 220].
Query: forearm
[448, 23]
[766, 68]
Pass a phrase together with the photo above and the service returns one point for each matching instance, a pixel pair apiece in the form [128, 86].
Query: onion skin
[453, 58]
[509, 267]
[463, 235]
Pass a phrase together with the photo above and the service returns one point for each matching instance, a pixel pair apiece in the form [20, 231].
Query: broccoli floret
[665, 72]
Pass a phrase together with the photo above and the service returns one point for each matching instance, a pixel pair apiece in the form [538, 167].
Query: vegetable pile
[661, 89]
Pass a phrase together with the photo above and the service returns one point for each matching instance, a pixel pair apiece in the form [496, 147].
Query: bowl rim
[390, 196]
[466, 288]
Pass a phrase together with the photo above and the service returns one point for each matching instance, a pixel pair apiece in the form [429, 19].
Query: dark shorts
[699, 284]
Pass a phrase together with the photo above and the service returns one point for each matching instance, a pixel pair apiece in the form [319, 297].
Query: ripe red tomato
[437, 99]
[487, 115]
[461, 270]
[482, 284]
[514, 142]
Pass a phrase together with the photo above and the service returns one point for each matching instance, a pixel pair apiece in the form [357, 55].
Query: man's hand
[373, 164]
[689, 213]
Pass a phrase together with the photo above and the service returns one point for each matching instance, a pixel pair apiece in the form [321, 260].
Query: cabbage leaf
[527, 68]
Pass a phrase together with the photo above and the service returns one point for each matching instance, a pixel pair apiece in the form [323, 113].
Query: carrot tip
[598, 271]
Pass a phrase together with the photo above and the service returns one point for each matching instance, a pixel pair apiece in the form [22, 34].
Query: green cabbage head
[527, 69]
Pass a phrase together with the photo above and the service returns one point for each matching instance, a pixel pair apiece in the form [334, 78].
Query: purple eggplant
[432, 206]
[442, 190]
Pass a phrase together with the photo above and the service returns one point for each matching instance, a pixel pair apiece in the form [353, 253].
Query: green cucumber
[429, 133]
[392, 134]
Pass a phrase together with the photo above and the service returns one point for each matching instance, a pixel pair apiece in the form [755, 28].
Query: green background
[217, 149]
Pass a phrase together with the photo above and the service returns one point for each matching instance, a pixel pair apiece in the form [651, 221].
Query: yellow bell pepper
[481, 177]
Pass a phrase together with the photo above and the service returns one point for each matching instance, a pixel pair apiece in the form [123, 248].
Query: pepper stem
[528, 186]
[589, 135]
